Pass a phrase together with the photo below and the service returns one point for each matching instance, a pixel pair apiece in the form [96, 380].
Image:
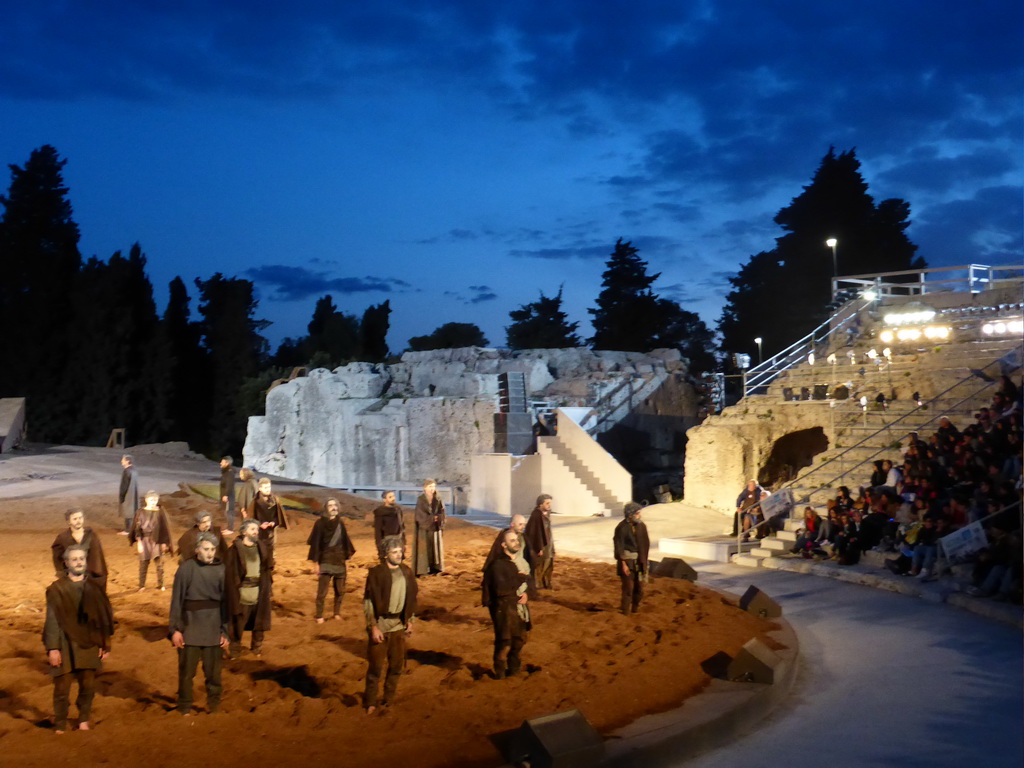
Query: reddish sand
[300, 704]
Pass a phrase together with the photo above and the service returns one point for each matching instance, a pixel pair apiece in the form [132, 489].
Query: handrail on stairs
[889, 425]
[762, 374]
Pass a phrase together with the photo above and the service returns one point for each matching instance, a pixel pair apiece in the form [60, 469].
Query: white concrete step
[747, 560]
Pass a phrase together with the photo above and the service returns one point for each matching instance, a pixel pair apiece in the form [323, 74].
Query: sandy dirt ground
[300, 703]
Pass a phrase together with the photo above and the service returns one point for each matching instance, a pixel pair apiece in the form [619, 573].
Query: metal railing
[888, 426]
[972, 278]
[764, 373]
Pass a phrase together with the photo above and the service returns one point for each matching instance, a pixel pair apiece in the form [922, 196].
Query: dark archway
[790, 454]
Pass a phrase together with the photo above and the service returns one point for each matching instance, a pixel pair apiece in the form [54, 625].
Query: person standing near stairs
[632, 546]
[541, 542]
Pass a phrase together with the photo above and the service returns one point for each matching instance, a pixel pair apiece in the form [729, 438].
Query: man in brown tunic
[248, 580]
[389, 604]
[540, 541]
[79, 624]
[504, 593]
[187, 542]
[632, 545]
[428, 548]
[266, 510]
[518, 526]
[78, 534]
[387, 519]
[330, 548]
[197, 625]
[150, 534]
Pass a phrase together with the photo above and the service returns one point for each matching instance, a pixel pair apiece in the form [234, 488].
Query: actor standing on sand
[428, 548]
[247, 490]
[150, 533]
[389, 604]
[187, 542]
[330, 548]
[128, 495]
[79, 535]
[267, 511]
[248, 580]
[387, 519]
[198, 622]
[540, 541]
[227, 493]
[79, 623]
[632, 546]
[504, 593]
[518, 526]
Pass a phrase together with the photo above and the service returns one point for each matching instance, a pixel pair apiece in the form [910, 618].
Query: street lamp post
[760, 358]
[832, 243]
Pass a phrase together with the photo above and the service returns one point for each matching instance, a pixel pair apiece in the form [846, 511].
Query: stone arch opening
[790, 454]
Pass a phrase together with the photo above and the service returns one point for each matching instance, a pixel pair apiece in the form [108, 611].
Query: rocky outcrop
[367, 424]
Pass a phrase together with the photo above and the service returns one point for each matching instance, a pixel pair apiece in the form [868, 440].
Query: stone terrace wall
[369, 424]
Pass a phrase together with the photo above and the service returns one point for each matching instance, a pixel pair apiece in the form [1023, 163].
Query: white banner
[966, 541]
[779, 503]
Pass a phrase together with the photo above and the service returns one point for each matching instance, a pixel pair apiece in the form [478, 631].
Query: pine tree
[541, 324]
[231, 336]
[781, 295]
[39, 264]
[189, 402]
[373, 333]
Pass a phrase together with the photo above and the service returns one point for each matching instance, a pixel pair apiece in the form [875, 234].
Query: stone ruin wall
[366, 424]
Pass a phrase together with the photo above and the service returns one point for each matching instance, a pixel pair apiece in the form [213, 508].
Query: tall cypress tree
[189, 403]
[117, 372]
[627, 313]
[231, 336]
[39, 264]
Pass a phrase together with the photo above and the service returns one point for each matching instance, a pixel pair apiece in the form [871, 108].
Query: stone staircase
[604, 499]
[963, 374]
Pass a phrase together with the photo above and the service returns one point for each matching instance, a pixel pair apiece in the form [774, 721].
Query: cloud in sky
[509, 144]
[290, 283]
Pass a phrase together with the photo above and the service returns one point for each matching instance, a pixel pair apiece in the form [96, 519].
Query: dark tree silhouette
[118, 372]
[630, 316]
[373, 333]
[782, 294]
[449, 336]
[39, 264]
[541, 324]
[189, 403]
[232, 338]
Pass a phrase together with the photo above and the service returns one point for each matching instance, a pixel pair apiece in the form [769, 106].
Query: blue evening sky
[460, 156]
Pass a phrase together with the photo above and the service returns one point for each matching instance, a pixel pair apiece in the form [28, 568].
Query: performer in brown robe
[540, 542]
[79, 535]
[197, 625]
[518, 526]
[150, 534]
[330, 548]
[387, 519]
[76, 634]
[389, 605]
[247, 490]
[504, 592]
[204, 524]
[248, 581]
[428, 549]
[632, 545]
[266, 510]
